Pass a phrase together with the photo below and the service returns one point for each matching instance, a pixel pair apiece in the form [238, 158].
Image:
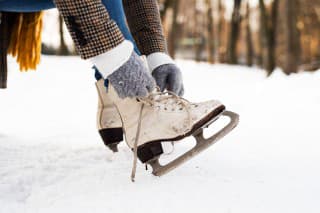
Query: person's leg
[116, 12]
[114, 7]
[25, 5]
[108, 120]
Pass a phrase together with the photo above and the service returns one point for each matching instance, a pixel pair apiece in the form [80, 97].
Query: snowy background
[53, 160]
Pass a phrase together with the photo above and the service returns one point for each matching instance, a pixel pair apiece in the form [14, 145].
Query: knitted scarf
[20, 36]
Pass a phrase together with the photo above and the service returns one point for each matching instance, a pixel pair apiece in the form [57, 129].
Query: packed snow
[53, 160]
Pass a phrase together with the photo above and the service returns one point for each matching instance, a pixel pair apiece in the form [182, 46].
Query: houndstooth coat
[94, 32]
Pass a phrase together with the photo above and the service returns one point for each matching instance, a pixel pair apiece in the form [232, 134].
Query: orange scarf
[25, 41]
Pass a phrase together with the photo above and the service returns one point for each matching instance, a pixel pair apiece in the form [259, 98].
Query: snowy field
[52, 158]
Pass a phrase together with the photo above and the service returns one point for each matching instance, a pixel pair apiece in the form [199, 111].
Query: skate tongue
[168, 101]
[166, 98]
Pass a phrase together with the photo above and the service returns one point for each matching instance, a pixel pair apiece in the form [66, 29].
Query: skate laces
[135, 148]
[169, 100]
[166, 98]
[155, 99]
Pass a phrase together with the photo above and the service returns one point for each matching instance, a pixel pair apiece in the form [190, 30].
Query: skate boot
[108, 120]
[165, 117]
[109, 125]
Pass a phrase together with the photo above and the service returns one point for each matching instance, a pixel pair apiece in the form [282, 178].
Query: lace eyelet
[121, 83]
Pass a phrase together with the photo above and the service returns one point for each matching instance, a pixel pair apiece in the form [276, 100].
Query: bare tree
[221, 30]
[268, 27]
[199, 31]
[309, 33]
[234, 33]
[210, 29]
[317, 9]
[249, 44]
[291, 33]
[174, 29]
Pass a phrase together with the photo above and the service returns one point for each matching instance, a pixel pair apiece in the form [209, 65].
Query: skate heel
[149, 152]
[112, 137]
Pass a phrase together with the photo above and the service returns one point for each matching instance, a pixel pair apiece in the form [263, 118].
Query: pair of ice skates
[160, 117]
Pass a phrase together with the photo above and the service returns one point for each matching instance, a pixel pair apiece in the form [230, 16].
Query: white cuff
[157, 59]
[112, 60]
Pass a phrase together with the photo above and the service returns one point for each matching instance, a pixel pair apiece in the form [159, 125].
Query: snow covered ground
[52, 159]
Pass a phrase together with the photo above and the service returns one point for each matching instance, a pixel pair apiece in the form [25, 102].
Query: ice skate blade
[201, 145]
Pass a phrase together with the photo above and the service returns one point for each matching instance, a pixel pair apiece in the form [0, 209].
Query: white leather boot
[108, 119]
[161, 117]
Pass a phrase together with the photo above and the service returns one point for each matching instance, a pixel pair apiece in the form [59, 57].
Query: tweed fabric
[145, 25]
[90, 26]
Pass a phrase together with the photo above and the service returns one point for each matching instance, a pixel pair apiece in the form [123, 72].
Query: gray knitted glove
[168, 76]
[132, 79]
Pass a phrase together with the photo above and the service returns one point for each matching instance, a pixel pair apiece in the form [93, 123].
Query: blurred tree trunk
[221, 48]
[63, 49]
[317, 54]
[291, 33]
[272, 36]
[260, 43]
[210, 42]
[197, 34]
[234, 33]
[199, 31]
[249, 38]
[174, 29]
[317, 9]
[263, 33]
[268, 35]
[166, 5]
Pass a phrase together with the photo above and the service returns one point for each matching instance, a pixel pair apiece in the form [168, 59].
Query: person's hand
[132, 79]
[168, 76]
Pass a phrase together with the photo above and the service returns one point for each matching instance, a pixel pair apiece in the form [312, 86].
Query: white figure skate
[162, 117]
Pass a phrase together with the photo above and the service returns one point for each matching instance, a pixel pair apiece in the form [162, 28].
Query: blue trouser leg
[114, 7]
[116, 12]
